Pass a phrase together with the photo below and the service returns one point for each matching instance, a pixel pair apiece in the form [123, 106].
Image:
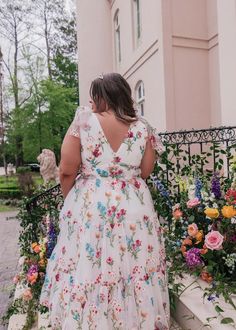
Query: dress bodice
[98, 158]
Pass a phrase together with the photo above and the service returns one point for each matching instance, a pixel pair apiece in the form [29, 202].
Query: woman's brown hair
[112, 89]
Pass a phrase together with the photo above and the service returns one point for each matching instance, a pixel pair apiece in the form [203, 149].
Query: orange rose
[212, 213]
[37, 249]
[205, 276]
[203, 251]
[199, 236]
[32, 278]
[228, 211]
[183, 249]
[187, 241]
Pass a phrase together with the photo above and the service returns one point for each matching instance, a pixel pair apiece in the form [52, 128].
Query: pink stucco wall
[185, 57]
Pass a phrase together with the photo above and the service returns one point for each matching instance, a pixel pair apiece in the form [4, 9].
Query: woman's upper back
[107, 143]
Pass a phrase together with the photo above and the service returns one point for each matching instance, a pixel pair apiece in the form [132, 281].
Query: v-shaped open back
[107, 140]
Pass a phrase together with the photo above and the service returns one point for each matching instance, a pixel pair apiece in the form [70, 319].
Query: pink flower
[123, 212]
[117, 159]
[109, 261]
[69, 214]
[138, 242]
[193, 202]
[192, 229]
[98, 254]
[123, 185]
[214, 240]
[27, 294]
[57, 277]
[130, 134]
[16, 279]
[96, 152]
[150, 248]
[137, 184]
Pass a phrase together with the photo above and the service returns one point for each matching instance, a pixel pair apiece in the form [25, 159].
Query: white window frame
[137, 26]
[140, 97]
[117, 37]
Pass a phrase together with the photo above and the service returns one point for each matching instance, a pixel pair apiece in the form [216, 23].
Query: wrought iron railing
[204, 150]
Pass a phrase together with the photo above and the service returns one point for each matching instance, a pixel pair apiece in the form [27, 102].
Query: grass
[7, 208]
[12, 181]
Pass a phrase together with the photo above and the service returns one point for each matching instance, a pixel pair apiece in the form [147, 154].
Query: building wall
[143, 61]
[185, 57]
[94, 43]
[227, 60]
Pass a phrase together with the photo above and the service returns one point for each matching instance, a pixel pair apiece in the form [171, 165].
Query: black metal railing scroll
[203, 150]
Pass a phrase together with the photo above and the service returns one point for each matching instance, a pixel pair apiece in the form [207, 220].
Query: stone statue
[48, 166]
[10, 168]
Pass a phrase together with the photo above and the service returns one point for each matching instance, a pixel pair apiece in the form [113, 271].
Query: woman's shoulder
[152, 134]
[83, 111]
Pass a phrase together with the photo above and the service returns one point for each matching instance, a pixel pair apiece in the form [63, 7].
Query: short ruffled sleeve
[153, 137]
[80, 121]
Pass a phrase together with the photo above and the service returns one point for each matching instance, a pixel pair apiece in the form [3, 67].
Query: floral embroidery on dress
[108, 269]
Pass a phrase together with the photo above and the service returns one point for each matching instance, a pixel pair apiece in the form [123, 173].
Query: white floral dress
[108, 270]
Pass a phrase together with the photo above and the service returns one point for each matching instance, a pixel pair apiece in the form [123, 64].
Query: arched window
[140, 97]
[117, 37]
[136, 21]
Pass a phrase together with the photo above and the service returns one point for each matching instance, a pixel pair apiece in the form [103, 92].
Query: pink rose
[214, 240]
[16, 279]
[27, 294]
[192, 229]
[193, 202]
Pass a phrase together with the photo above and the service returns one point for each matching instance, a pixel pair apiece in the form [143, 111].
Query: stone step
[192, 312]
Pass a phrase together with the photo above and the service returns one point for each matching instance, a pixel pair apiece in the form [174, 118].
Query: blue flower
[98, 183]
[198, 188]
[71, 280]
[89, 249]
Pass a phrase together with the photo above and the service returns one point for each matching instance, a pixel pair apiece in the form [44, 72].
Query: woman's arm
[148, 161]
[70, 163]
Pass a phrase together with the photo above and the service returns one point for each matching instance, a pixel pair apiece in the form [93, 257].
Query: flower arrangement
[37, 240]
[201, 237]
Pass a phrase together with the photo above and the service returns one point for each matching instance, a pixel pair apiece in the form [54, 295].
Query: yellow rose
[212, 213]
[228, 211]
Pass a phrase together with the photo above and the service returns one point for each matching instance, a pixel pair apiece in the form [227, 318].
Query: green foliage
[34, 224]
[47, 125]
[174, 180]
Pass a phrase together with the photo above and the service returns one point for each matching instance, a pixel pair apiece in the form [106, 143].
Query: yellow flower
[212, 213]
[199, 236]
[228, 211]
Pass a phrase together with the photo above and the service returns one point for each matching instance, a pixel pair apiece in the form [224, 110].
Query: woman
[107, 270]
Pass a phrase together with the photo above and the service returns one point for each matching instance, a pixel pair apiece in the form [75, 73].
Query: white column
[94, 42]
[227, 59]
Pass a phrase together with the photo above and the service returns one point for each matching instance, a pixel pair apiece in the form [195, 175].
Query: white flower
[191, 191]
[45, 240]
[233, 220]
[21, 261]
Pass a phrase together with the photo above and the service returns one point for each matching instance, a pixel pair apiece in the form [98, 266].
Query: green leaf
[218, 309]
[227, 320]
